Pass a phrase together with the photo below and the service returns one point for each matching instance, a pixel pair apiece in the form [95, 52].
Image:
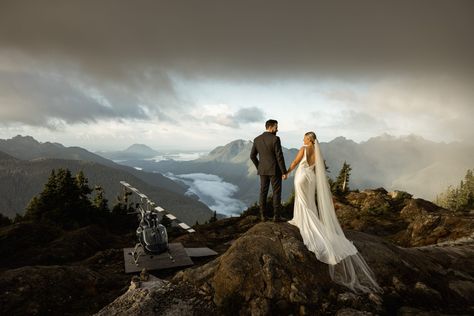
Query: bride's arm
[297, 160]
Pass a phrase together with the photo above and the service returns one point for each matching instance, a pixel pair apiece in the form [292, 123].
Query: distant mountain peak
[235, 150]
[30, 141]
[28, 148]
[342, 140]
[24, 139]
[135, 151]
[339, 139]
[139, 148]
[238, 143]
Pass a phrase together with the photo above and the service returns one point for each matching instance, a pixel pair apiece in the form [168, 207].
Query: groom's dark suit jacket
[270, 161]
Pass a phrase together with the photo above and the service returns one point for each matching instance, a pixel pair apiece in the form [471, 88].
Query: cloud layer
[86, 62]
[212, 191]
[431, 106]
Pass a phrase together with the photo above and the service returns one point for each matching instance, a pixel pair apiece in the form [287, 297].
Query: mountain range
[25, 165]
[410, 163]
[132, 152]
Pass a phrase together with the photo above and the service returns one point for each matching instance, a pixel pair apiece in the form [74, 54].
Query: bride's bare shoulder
[299, 155]
[300, 152]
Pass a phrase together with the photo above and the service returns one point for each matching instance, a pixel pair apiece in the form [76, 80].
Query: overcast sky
[197, 74]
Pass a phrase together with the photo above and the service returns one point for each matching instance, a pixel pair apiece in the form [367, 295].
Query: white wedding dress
[321, 231]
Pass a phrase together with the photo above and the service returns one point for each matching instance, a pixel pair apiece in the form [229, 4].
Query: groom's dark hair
[270, 123]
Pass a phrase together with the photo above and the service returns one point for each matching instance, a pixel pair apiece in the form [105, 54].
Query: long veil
[351, 271]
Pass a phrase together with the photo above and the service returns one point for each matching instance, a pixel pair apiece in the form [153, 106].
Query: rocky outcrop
[406, 221]
[56, 290]
[218, 235]
[159, 297]
[429, 224]
[269, 271]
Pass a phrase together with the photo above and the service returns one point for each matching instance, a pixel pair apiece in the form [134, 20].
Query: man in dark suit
[270, 166]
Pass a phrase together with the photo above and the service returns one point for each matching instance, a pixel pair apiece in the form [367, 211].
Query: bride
[319, 226]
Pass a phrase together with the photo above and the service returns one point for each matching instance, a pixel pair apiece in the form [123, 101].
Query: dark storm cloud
[29, 96]
[44, 100]
[129, 51]
[230, 38]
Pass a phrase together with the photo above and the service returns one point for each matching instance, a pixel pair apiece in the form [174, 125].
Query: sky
[193, 75]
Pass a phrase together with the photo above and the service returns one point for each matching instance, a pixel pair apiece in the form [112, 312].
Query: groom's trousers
[265, 181]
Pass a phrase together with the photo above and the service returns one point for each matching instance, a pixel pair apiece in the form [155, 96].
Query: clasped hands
[285, 176]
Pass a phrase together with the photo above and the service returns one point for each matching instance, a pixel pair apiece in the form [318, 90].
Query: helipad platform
[181, 257]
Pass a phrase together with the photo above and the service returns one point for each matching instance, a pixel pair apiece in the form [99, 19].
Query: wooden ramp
[181, 258]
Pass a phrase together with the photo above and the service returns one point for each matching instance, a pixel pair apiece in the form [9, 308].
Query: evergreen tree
[469, 188]
[83, 186]
[123, 207]
[64, 200]
[123, 215]
[459, 198]
[100, 202]
[341, 184]
[326, 166]
[213, 218]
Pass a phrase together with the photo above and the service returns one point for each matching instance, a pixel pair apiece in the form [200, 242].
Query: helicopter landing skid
[136, 258]
[138, 252]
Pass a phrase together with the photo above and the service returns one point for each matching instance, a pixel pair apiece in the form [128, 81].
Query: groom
[270, 166]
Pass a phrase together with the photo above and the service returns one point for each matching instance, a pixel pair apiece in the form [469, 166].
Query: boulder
[267, 267]
[405, 221]
[431, 228]
[159, 297]
[268, 270]
[416, 207]
[399, 195]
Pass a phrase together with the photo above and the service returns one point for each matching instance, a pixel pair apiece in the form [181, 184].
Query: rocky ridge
[405, 221]
[262, 268]
[269, 271]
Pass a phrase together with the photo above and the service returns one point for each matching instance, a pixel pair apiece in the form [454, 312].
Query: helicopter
[151, 234]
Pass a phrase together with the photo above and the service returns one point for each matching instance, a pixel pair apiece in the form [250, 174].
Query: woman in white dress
[319, 226]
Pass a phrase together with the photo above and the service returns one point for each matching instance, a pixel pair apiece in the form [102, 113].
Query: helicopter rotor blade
[157, 208]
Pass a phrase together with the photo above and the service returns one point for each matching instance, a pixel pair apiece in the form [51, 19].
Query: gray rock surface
[405, 221]
[159, 297]
[268, 270]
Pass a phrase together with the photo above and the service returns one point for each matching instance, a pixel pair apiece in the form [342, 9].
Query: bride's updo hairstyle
[311, 135]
